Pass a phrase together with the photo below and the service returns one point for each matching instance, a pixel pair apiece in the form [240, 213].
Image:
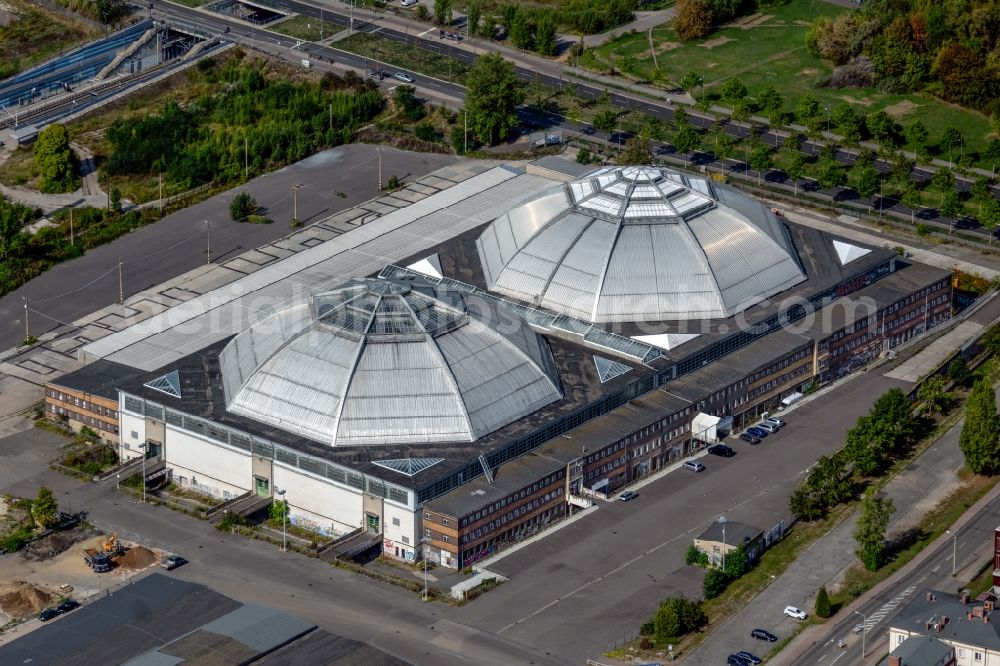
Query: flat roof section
[101, 378]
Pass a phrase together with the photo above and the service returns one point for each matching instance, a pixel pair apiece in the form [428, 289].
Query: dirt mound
[137, 558]
[22, 599]
[53, 544]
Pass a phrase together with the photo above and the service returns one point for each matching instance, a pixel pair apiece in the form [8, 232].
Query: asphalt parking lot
[332, 180]
[594, 582]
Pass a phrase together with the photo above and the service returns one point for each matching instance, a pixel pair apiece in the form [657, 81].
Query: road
[178, 243]
[974, 547]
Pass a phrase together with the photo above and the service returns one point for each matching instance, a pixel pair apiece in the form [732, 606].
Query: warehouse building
[552, 343]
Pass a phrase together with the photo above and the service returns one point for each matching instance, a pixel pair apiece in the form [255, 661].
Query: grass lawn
[407, 56]
[772, 52]
[306, 28]
[37, 35]
[20, 169]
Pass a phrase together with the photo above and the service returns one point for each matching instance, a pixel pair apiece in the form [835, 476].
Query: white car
[402, 76]
[408, 3]
[792, 611]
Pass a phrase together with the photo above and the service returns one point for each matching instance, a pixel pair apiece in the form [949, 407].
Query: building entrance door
[372, 523]
[262, 487]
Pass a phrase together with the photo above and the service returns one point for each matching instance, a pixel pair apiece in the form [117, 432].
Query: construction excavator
[112, 546]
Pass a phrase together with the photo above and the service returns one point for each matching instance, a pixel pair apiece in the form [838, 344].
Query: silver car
[776, 422]
[764, 425]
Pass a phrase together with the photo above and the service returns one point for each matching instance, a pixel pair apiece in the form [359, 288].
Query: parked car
[67, 606]
[693, 465]
[763, 635]
[750, 658]
[759, 433]
[47, 614]
[404, 77]
[767, 426]
[772, 420]
[627, 496]
[721, 450]
[408, 3]
[750, 439]
[736, 660]
[797, 613]
[171, 562]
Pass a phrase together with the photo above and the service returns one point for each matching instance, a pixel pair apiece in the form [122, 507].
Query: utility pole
[71, 239]
[331, 107]
[208, 242]
[379, 169]
[27, 333]
[465, 132]
[121, 282]
[161, 193]
[246, 158]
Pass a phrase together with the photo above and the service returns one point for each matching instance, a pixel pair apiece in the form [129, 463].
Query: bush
[425, 132]
[278, 511]
[258, 219]
[15, 540]
[229, 520]
[716, 581]
[695, 556]
[242, 206]
[393, 183]
[677, 616]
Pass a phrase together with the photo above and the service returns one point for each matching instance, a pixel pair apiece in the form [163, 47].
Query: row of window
[783, 363]
[83, 404]
[780, 381]
[86, 420]
[510, 516]
[614, 464]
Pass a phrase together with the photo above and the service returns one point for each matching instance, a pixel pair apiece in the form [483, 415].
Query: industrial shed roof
[639, 244]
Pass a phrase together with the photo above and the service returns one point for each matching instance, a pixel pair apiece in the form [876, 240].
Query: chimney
[944, 620]
[930, 597]
[895, 660]
[965, 598]
[989, 603]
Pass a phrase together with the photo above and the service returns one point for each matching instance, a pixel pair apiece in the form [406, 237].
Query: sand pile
[137, 558]
[22, 599]
[54, 544]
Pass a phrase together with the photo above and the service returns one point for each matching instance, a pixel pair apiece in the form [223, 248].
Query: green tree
[584, 156]
[828, 484]
[737, 562]
[714, 584]
[606, 121]
[680, 119]
[943, 181]
[992, 154]
[882, 127]
[895, 410]
[760, 160]
[677, 616]
[278, 511]
[807, 108]
[685, 140]
[951, 139]
[979, 439]
[823, 606]
[868, 445]
[691, 81]
[989, 215]
[473, 17]
[545, 34]
[848, 122]
[916, 136]
[242, 206]
[795, 168]
[932, 393]
[44, 509]
[116, 200]
[980, 192]
[493, 94]
[695, 556]
[733, 90]
[911, 199]
[638, 150]
[869, 532]
[832, 174]
[443, 12]
[770, 100]
[867, 184]
[55, 159]
[958, 371]
[405, 98]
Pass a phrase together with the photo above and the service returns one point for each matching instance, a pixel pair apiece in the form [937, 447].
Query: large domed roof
[383, 361]
[639, 244]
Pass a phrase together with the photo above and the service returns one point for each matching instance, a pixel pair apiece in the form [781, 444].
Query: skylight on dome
[408, 466]
[169, 383]
[604, 204]
[608, 369]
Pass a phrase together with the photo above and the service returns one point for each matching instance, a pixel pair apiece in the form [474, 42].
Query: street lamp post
[295, 202]
[423, 544]
[954, 550]
[284, 519]
[864, 630]
[142, 447]
[379, 169]
[208, 242]
[722, 521]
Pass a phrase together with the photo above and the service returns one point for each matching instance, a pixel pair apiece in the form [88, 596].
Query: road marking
[822, 658]
[880, 614]
[838, 657]
[934, 570]
[426, 31]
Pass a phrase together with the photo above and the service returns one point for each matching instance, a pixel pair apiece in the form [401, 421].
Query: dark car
[47, 614]
[67, 606]
[736, 660]
[749, 658]
[172, 562]
[750, 439]
[628, 495]
[760, 433]
[721, 450]
[763, 635]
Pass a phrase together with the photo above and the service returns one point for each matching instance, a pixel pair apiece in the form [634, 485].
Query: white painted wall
[128, 424]
[403, 536]
[324, 503]
[207, 466]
